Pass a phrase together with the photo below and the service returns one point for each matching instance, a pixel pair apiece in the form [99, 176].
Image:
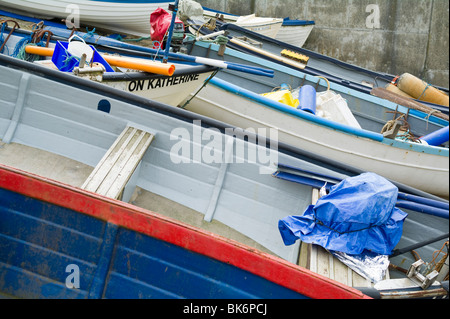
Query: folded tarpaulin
[160, 21]
[357, 214]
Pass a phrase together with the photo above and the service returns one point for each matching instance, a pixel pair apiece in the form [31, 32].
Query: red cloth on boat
[160, 21]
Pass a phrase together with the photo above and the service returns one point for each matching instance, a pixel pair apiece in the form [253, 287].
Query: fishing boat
[240, 101]
[120, 16]
[168, 83]
[59, 241]
[292, 31]
[134, 18]
[334, 70]
[48, 114]
[388, 157]
[161, 158]
[268, 27]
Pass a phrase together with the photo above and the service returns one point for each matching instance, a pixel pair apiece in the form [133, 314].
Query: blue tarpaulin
[358, 214]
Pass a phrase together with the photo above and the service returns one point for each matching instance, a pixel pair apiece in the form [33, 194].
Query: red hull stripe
[143, 221]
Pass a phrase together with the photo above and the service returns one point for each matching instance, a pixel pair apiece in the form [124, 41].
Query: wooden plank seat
[115, 169]
[319, 260]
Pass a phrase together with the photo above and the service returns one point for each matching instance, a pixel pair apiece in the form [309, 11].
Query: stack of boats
[117, 158]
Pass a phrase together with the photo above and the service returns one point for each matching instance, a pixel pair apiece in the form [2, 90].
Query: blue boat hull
[57, 241]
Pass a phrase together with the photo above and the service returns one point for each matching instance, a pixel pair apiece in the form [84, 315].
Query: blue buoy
[307, 99]
[437, 137]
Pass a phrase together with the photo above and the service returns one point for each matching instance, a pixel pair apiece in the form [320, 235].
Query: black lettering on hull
[150, 84]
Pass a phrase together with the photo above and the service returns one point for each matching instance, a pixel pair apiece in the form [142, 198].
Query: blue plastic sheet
[357, 214]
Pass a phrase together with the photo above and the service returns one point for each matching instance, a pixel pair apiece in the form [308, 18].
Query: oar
[172, 25]
[431, 200]
[415, 203]
[401, 251]
[126, 62]
[266, 54]
[178, 56]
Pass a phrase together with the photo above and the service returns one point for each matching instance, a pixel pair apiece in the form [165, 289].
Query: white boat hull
[268, 27]
[171, 91]
[124, 17]
[294, 35]
[423, 171]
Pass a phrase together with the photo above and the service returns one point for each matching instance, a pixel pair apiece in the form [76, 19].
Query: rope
[438, 265]
[4, 24]
[424, 90]
[221, 39]
[432, 111]
[321, 223]
[19, 49]
[89, 33]
[326, 80]
[120, 38]
[407, 136]
[68, 59]
[198, 91]
[390, 124]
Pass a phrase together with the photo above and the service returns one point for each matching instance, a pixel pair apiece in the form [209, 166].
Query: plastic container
[66, 62]
[307, 99]
[334, 107]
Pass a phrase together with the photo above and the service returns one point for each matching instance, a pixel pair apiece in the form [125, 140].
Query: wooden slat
[319, 260]
[114, 170]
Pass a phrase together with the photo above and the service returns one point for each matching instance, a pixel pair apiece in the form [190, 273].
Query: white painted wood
[115, 169]
[21, 99]
[319, 260]
[220, 180]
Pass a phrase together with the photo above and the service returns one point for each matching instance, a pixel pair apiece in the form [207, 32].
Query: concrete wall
[392, 36]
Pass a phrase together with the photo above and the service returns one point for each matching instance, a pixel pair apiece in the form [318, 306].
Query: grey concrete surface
[392, 36]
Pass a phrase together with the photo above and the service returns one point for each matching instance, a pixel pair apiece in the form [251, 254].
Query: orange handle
[125, 62]
[32, 49]
[140, 64]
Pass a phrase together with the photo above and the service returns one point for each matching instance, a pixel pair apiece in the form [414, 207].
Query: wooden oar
[269, 55]
[125, 62]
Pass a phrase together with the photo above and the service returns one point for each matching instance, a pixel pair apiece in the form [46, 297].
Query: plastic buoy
[421, 90]
[437, 137]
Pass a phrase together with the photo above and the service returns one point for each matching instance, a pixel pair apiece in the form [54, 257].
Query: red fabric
[160, 21]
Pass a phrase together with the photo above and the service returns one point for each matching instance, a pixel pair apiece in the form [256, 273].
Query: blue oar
[172, 25]
[408, 197]
[414, 206]
[108, 42]
[60, 30]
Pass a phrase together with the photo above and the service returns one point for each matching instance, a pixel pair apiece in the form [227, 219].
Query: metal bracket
[423, 281]
[392, 133]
